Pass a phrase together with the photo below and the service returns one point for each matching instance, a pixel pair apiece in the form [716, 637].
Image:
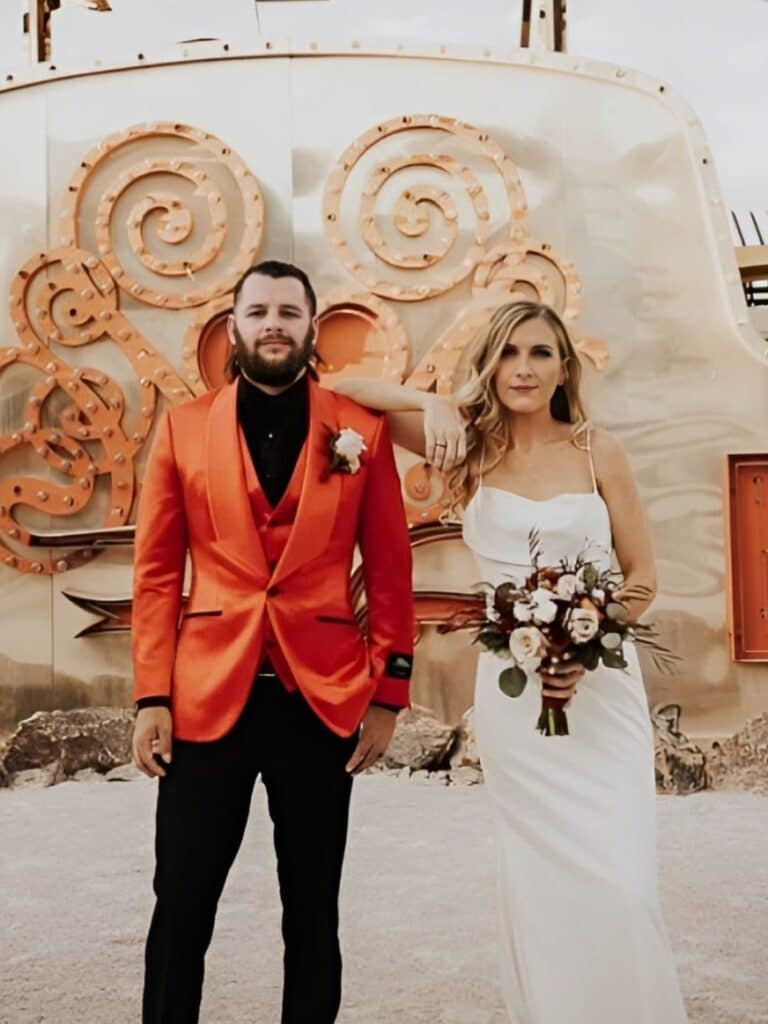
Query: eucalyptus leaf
[613, 659]
[588, 655]
[611, 641]
[616, 611]
[590, 576]
[493, 640]
[512, 681]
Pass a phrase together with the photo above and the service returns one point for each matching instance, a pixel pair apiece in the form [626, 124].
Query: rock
[98, 738]
[87, 775]
[741, 762]
[29, 778]
[680, 763]
[123, 773]
[421, 741]
[466, 776]
[465, 749]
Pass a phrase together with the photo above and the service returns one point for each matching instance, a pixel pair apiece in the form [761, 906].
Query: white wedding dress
[582, 936]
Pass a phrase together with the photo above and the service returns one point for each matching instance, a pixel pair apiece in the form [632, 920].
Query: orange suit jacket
[194, 498]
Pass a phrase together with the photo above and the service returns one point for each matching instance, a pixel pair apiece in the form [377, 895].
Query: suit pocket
[200, 614]
[338, 620]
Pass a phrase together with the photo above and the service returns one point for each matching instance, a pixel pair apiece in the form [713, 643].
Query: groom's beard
[275, 372]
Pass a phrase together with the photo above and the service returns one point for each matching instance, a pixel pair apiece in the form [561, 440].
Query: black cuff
[153, 702]
[389, 707]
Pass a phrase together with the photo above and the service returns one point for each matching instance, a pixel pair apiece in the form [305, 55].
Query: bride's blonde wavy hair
[488, 424]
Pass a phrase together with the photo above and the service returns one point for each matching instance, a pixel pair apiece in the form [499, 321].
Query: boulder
[741, 762]
[87, 775]
[466, 775]
[680, 763]
[464, 754]
[97, 738]
[31, 778]
[421, 741]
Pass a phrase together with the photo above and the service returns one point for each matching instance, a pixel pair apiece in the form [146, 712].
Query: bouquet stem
[553, 720]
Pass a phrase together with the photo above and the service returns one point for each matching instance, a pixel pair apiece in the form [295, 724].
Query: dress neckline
[540, 501]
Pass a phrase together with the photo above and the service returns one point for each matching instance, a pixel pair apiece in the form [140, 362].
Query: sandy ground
[418, 927]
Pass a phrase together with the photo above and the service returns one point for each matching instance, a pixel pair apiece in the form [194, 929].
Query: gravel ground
[418, 927]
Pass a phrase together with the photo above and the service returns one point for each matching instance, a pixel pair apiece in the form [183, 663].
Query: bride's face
[530, 368]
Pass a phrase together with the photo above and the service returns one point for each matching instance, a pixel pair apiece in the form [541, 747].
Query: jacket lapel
[228, 499]
[322, 488]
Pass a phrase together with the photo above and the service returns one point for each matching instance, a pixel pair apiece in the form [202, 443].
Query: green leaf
[512, 681]
[613, 659]
[590, 576]
[588, 655]
[617, 611]
[493, 639]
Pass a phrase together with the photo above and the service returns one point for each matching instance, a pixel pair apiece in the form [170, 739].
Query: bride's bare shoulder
[608, 453]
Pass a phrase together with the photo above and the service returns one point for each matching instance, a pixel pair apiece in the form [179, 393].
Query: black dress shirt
[275, 429]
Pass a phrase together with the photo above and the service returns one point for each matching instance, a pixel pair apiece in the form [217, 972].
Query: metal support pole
[37, 29]
[37, 24]
[544, 25]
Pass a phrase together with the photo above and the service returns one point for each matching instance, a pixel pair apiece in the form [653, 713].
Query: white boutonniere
[346, 447]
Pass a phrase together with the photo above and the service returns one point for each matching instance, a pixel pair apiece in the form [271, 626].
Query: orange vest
[274, 526]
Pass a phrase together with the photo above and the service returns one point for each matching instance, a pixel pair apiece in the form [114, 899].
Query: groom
[269, 483]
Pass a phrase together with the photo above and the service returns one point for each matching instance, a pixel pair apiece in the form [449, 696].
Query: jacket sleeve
[158, 574]
[386, 552]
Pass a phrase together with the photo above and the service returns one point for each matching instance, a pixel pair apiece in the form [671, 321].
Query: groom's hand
[152, 740]
[375, 734]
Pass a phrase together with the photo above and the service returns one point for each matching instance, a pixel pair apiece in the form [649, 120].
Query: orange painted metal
[747, 544]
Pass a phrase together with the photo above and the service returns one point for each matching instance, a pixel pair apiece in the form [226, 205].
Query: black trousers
[202, 810]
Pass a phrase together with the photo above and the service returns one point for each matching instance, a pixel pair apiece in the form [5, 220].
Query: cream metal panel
[54, 125]
[618, 181]
[26, 647]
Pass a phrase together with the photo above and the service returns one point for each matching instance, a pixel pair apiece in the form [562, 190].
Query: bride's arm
[631, 535]
[424, 423]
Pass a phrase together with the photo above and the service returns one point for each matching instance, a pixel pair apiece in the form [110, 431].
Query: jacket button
[271, 591]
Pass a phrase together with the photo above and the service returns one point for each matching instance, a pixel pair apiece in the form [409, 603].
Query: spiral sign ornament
[175, 215]
[75, 426]
[440, 217]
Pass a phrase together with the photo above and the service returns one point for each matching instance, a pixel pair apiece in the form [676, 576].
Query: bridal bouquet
[568, 612]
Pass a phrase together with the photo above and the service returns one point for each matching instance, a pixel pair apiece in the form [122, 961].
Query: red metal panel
[748, 555]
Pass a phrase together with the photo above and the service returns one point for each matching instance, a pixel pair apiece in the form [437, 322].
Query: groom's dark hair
[277, 269]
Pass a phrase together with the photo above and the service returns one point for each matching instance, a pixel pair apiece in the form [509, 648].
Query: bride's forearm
[637, 593]
[383, 395]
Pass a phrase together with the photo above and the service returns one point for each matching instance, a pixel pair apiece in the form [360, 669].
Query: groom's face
[272, 330]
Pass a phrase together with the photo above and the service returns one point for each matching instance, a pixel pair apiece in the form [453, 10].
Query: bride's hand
[444, 433]
[561, 680]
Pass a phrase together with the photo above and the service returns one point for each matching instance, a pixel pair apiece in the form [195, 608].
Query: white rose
[527, 646]
[583, 624]
[353, 462]
[567, 586]
[522, 611]
[349, 444]
[598, 595]
[544, 608]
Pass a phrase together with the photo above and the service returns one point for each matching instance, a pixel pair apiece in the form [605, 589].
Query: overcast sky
[714, 52]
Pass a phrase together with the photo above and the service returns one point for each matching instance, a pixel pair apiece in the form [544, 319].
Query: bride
[582, 936]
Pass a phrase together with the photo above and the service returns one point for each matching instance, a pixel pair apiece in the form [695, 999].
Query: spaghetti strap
[591, 460]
